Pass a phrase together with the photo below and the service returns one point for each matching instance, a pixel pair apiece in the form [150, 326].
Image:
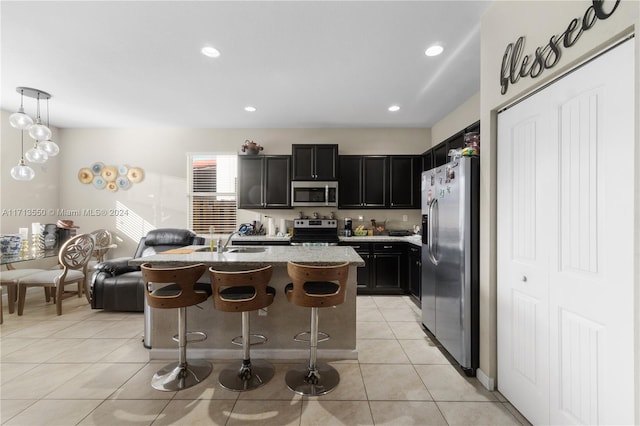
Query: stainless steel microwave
[312, 193]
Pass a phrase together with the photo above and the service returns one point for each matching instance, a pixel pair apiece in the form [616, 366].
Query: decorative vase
[251, 148]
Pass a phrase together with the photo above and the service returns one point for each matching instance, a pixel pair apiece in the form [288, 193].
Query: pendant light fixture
[19, 119]
[22, 172]
[39, 131]
[43, 147]
[50, 147]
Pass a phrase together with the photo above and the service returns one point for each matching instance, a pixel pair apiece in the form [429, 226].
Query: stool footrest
[192, 337]
[305, 337]
[262, 339]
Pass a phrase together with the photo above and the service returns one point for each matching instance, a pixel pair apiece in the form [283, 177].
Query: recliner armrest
[117, 266]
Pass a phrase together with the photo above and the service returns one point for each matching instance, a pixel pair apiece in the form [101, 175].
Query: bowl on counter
[360, 232]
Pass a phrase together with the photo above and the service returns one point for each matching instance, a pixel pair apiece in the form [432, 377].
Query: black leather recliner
[116, 286]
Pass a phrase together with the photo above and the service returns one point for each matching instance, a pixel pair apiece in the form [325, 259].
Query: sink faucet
[224, 248]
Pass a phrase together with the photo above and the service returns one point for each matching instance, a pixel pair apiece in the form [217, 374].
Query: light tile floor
[88, 367]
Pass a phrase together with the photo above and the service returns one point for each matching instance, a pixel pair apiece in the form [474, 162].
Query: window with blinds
[212, 192]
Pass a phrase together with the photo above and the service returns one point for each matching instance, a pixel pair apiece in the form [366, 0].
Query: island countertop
[279, 322]
[253, 256]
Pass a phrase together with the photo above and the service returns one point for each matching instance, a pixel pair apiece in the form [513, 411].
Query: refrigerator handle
[430, 252]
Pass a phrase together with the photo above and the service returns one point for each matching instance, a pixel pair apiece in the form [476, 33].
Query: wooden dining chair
[73, 258]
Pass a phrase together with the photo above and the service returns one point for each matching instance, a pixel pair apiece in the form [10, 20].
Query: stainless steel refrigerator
[450, 263]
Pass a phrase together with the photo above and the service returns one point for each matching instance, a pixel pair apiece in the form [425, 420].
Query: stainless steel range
[315, 232]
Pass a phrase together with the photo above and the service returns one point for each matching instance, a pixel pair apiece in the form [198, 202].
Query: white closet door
[580, 294]
[524, 145]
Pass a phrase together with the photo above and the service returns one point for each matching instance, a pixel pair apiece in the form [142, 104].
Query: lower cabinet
[385, 270]
[415, 271]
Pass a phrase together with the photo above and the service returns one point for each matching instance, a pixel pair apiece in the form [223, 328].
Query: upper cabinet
[315, 162]
[363, 181]
[439, 154]
[404, 181]
[263, 181]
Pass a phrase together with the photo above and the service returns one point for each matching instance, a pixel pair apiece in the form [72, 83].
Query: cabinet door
[404, 181]
[350, 184]
[387, 271]
[374, 182]
[456, 143]
[277, 180]
[303, 159]
[326, 162]
[427, 161]
[250, 172]
[440, 155]
[364, 273]
[415, 271]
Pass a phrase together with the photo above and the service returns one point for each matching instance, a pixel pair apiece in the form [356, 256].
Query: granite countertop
[245, 257]
[413, 239]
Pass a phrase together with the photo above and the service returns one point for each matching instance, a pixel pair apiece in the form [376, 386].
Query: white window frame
[191, 194]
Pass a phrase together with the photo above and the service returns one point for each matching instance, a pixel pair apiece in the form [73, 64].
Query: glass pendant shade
[22, 172]
[40, 132]
[50, 147]
[20, 120]
[36, 155]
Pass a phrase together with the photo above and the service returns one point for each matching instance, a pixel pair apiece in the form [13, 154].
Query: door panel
[565, 254]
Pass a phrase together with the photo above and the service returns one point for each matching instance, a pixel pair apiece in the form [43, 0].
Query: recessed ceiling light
[434, 50]
[250, 108]
[210, 51]
[394, 108]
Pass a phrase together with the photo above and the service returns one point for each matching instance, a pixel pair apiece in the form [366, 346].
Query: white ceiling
[302, 64]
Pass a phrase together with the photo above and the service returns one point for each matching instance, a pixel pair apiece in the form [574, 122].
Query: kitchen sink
[245, 250]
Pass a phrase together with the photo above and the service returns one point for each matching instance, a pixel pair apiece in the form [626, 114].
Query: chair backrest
[255, 281]
[184, 277]
[301, 274]
[76, 252]
[163, 239]
[102, 237]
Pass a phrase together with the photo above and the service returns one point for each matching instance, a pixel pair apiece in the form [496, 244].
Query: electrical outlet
[262, 312]
[360, 218]
[405, 218]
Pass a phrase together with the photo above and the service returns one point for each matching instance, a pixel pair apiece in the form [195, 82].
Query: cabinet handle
[524, 278]
[355, 247]
[387, 247]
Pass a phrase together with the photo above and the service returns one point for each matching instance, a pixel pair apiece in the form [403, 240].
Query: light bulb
[20, 120]
[36, 155]
[39, 131]
[22, 172]
[50, 147]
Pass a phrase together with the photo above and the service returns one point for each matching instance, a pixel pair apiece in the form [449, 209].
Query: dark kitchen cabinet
[384, 270]
[264, 181]
[363, 181]
[404, 181]
[415, 271]
[439, 154]
[315, 162]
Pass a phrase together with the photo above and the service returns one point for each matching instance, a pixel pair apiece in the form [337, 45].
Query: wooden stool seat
[244, 291]
[315, 286]
[181, 291]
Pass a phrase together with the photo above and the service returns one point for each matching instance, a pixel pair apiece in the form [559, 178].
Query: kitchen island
[279, 322]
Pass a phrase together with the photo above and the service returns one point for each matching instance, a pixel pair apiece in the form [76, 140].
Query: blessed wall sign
[516, 65]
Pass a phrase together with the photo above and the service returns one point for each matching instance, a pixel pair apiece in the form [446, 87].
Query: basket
[360, 233]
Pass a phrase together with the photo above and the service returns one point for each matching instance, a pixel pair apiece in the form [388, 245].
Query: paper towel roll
[271, 228]
[283, 226]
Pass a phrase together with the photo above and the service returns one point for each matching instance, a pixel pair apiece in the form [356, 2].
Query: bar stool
[244, 291]
[182, 292]
[315, 287]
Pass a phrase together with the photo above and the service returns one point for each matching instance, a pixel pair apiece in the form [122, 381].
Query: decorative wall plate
[85, 175]
[99, 183]
[135, 174]
[109, 173]
[96, 168]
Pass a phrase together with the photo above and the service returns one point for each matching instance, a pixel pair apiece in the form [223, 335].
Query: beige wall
[463, 116]
[160, 200]
[503, 23]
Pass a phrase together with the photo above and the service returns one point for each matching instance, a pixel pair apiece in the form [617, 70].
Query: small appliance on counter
[348, 227]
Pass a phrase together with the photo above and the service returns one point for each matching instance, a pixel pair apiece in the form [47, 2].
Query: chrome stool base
[174, 377]
[320, 381]
[246, 377]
